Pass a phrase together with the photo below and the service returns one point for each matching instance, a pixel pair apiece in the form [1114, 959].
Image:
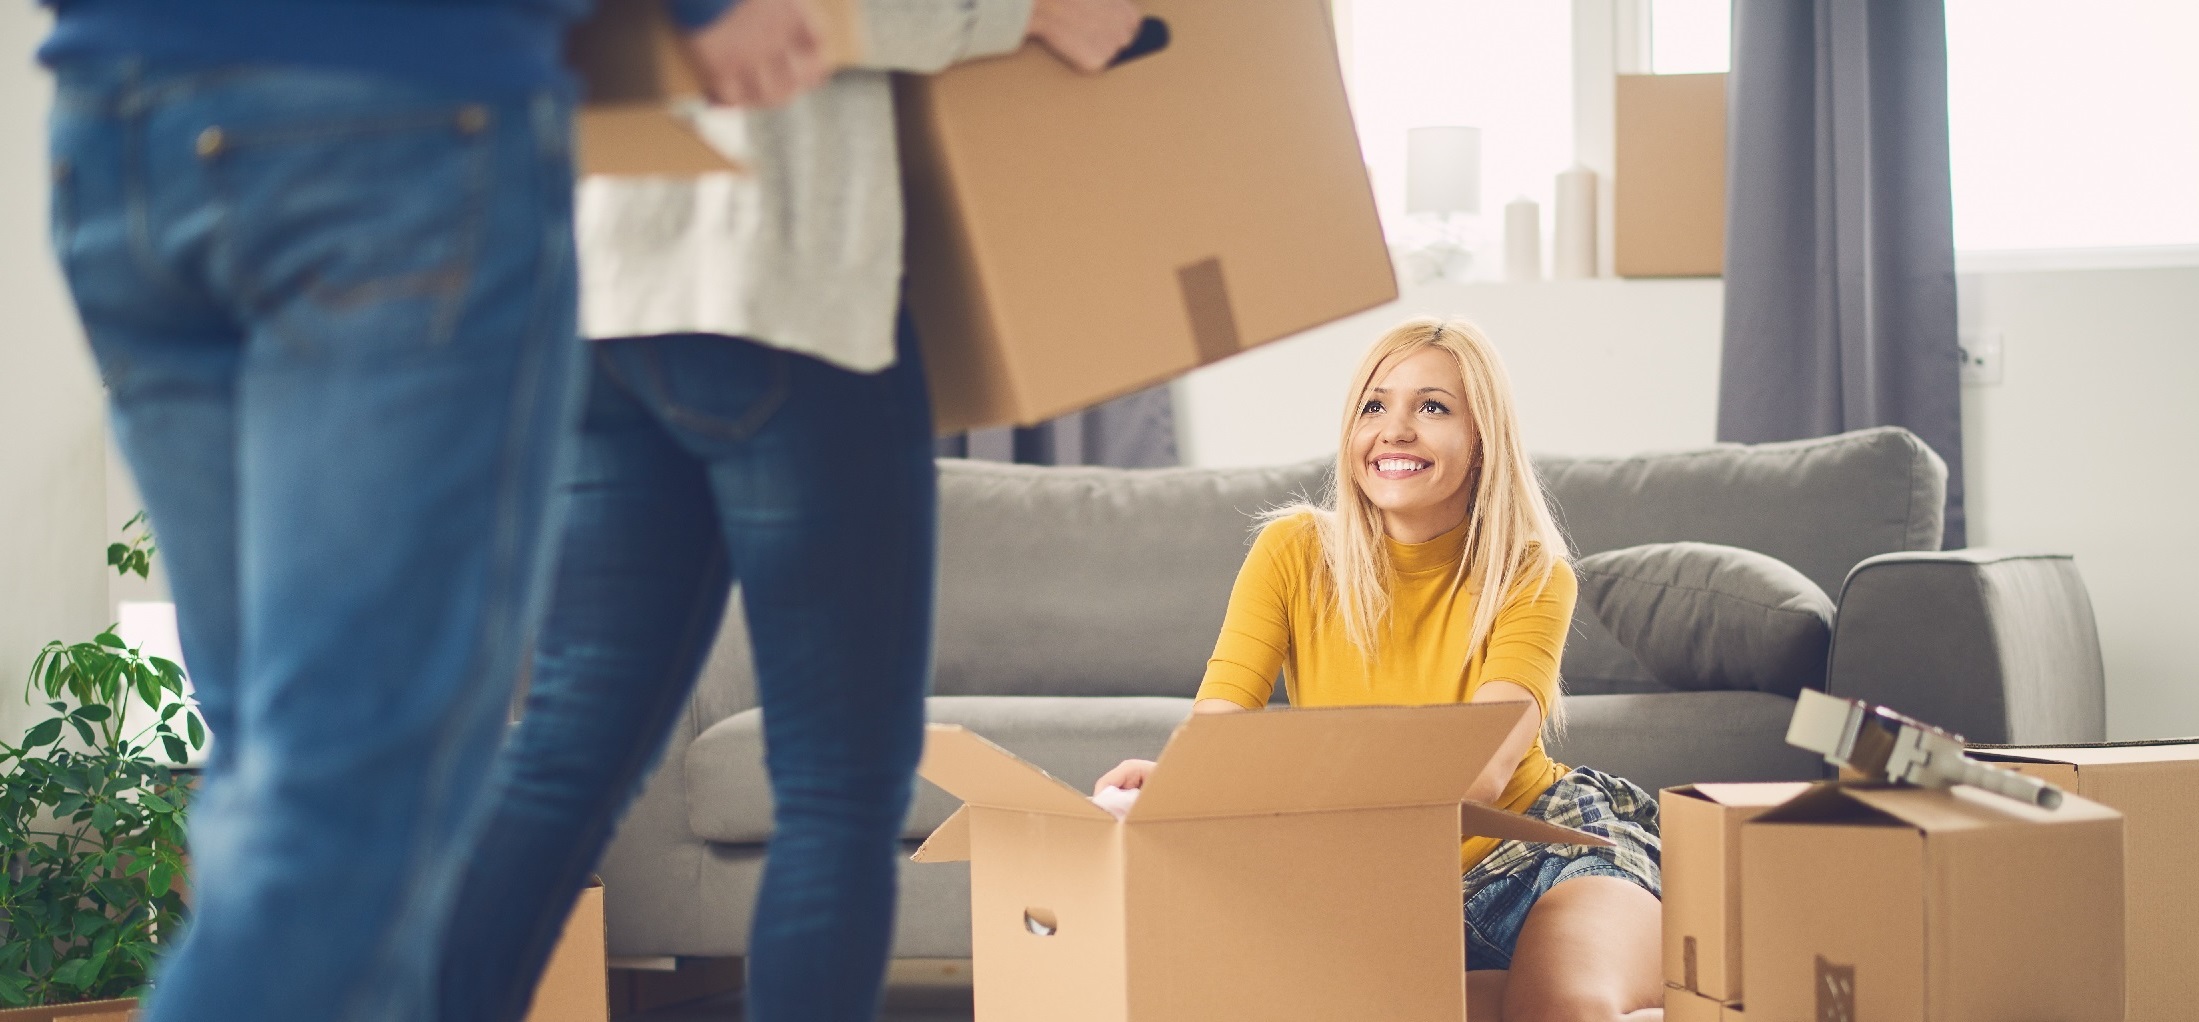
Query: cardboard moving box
[1073, 237]
[1688, 1006]
[575, 985]
[1668, 185]
[1701, 828]
[1284, 865]
[2155, 785]
[1881, 904]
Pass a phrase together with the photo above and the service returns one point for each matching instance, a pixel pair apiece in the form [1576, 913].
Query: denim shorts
[1504, 887]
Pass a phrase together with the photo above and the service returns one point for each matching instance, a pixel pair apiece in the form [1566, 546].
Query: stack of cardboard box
[2155, 785]
[1851, 901]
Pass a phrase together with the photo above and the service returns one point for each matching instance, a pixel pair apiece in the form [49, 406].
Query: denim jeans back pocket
[355, 236]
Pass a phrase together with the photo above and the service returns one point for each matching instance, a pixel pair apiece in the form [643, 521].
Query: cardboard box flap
[1294, 761]
[1477, 820]
[1744, 796]
[981, 773]
[950, 842]
[1932, 811]
[2103, 754]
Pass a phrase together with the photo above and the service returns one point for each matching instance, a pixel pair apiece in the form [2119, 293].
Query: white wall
[1600, 367]
[2091, 445]
[2087, 446]
[53, 531]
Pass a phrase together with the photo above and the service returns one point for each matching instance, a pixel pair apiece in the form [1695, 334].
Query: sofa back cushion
[1092, 581]
[1822, 506]
[1097, 581]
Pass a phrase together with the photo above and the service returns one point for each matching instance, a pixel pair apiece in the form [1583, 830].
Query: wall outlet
[1981, 357]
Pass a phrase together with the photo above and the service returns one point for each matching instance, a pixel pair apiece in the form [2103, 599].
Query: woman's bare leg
[1589, 952]
[1485, 995]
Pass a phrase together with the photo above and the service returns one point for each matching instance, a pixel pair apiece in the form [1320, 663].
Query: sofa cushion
[1705, 616]
[1820, 505]
[1074, 738]
[1658, 741]
[1092, 581]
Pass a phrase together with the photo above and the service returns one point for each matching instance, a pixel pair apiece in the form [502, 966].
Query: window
[1503, 66]
[2071, 126]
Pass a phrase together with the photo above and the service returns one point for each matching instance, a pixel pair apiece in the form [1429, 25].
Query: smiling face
[1416, 448]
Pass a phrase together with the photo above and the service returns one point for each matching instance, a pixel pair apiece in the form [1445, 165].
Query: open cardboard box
[1288, 864]
[1864, 903]
[2155, 785]
[1701, 829]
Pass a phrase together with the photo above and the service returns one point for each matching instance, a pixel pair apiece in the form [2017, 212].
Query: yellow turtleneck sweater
[1276, 620]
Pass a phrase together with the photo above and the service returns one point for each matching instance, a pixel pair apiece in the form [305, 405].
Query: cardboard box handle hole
[1152, 38]
[1040, 922]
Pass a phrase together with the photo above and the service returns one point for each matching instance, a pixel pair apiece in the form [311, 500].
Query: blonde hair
[1511, 536]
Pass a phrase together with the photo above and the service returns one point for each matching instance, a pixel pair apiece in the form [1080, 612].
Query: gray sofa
[1077, 608]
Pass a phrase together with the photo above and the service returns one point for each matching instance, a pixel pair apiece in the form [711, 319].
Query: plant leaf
[155, 802]
[43, 734]
[83, 730]
[76, 973]
[110, 640]
[197, 731]
[94, 713]
[174, 745]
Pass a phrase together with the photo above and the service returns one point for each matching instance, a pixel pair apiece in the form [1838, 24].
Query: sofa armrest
[1995, 645]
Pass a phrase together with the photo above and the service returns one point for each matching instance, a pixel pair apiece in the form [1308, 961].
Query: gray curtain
[1840, 261]
[1134, 431]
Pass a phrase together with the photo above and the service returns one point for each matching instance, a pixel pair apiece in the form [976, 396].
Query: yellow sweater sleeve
[1256, 629]
[1528, 638]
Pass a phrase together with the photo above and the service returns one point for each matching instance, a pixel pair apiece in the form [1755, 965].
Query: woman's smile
[1401, 466]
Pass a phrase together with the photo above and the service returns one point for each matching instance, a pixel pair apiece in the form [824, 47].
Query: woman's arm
[1525, 646]
[1255, 631]
[1516, 745]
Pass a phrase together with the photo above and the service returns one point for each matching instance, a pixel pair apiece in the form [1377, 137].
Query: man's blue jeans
[334, 314]
[704, 461]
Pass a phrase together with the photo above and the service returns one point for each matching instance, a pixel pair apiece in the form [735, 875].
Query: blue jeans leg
[703, 460]
[334, 314]
[637, 595]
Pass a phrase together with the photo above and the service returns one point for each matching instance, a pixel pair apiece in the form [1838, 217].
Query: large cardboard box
[575, 986]
[1701, 828]
[1284, 865]
[2155, 785]
[1881, 904]
[1689, 1006]
[1075, 237]
[1668, 184]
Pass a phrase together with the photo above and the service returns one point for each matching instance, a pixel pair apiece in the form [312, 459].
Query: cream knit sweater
[804, 251]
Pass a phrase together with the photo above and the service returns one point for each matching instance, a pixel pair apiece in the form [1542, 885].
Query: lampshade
[1443, 170]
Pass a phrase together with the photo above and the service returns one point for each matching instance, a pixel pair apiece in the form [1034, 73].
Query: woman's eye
[1433, 407]
[1371, 408]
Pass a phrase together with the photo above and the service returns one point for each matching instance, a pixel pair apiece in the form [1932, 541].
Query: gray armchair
[1077, 607]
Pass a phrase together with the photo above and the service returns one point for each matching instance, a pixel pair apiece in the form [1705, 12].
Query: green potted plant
[91, 818]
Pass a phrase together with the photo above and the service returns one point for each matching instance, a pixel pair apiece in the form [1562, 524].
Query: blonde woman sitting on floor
[1439, 576]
